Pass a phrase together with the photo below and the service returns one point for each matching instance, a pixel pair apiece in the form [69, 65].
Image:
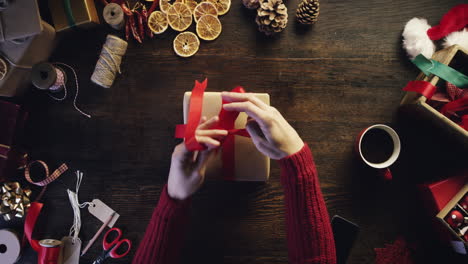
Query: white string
[73, 196]
[77, 89]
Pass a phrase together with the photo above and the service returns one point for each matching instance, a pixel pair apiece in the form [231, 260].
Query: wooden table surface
[330, 81]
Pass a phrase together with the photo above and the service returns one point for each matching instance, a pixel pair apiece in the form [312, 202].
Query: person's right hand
[270, 132]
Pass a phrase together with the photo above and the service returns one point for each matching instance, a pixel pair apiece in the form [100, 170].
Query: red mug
[383, 165]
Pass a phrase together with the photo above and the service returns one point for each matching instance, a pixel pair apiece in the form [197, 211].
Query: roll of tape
[9, 247]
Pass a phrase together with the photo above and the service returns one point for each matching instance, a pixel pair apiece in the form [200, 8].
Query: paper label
[70, 253]
[102, 212]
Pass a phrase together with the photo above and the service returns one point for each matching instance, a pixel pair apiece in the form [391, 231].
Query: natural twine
[109, 61]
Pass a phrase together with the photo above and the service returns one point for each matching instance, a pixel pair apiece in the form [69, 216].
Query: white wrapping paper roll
[9, 247]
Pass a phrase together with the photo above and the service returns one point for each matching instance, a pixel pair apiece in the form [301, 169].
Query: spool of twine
[49, 77]
[109, 61]
[114, 16]
[46, 76]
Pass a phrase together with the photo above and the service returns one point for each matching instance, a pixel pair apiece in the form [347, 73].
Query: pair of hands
[270, 132]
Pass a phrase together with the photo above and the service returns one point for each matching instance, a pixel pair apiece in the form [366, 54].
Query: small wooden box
[250, 164]
[454, 205]
[417, 103]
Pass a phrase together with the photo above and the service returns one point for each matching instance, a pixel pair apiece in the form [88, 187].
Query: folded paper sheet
[249, 163]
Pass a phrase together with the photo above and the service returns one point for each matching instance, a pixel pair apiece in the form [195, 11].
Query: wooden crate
[417, 103]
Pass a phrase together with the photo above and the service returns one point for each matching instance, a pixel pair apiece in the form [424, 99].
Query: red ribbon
[48, 177]
[227, 121]
[421, 87]
[45, 255]
[427, 90]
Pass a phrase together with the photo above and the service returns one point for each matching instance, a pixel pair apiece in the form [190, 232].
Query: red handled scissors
[111, 248]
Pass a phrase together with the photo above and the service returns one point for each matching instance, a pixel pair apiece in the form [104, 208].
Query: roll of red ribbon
[48, 250]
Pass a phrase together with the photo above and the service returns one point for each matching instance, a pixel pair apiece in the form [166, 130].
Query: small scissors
[110, 248]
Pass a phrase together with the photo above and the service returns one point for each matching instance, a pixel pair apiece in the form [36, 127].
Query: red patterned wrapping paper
[10, 120]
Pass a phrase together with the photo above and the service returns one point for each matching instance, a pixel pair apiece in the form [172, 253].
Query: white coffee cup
[383, 167]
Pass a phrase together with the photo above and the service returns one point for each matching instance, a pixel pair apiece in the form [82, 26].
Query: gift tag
[103, 212]
[70, 253]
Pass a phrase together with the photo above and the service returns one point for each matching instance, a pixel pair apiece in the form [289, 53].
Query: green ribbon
[69, 13]
[441, 70]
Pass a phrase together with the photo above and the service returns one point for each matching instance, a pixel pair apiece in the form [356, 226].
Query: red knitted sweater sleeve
[310, 238]
[165, 232]
[309, 232]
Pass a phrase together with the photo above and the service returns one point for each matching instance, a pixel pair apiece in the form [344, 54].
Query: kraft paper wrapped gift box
[250, 164]
[77, 13]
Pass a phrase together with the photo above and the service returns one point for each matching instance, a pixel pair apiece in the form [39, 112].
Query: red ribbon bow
[227, 121]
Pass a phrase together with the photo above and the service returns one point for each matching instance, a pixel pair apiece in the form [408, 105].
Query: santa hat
[455, 20]
[418, 35]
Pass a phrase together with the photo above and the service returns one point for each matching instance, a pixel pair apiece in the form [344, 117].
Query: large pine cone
[272, 16]
[308, 11]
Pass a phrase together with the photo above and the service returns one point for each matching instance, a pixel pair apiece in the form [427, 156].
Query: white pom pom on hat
[415, 39]
[460, 38]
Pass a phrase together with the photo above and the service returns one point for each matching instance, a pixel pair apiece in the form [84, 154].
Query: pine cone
[251, 4]
[308, 11]
[272, 16]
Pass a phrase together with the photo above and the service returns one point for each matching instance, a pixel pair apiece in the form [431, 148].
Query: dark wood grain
[330, 81]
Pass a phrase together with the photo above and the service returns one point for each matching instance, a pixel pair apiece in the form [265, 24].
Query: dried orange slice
[157, 22]
[164, 5]
[221, 5]
[186, 44]
[179, 16]
[204, 8]
[191, 4]
[208, 27]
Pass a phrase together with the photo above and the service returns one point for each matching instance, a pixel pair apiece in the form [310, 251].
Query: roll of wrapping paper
[114, 16]
[11, 246]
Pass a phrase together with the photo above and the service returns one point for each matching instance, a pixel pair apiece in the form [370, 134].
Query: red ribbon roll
[227, 121]
[45, 255]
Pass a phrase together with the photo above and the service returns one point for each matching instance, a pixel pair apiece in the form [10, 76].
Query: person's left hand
[187, 171]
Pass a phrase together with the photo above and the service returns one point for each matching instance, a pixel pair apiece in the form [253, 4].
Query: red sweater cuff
[169, 208]
[300, 163]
